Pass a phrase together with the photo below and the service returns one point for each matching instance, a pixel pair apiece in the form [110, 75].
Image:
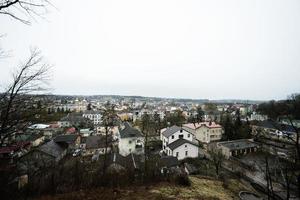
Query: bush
[183, 180]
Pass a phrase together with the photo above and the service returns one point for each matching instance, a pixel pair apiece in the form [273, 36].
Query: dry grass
[201, 189]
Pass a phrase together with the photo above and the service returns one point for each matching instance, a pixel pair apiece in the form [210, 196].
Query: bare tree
[3, 54]
[16, 100]
[295, 140]
[287, 173]
[24, 10]
[296, 163]
[145, 126]
[217, 159]
[109, 119]
[270, 191]
[157, 123]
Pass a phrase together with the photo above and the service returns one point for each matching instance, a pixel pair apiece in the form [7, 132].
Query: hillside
[201, 189]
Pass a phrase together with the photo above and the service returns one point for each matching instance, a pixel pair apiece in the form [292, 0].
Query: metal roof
[128, 131]
[180, 142]
[173, 129]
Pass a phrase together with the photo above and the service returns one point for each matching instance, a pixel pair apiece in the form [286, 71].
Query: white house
[179, 142]
[206, 132]
[130, 139]
[258, 117]
[64, 123]
[182, 149]
[171, 134]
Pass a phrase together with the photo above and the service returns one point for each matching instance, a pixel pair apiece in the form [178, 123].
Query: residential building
[36, 139]
[131, 140]
[85, 132]
[182, 149]
[171, 134]
[268, 127]
[46, 155]
[258, 117]
[97, 144]
[237, 147]
[75, 120]
[72, 141]
[179, 142]
[212, 116]
[206, 132]
[14, 150]
[94, 116]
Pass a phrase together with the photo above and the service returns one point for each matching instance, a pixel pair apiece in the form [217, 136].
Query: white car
[95, 157]
[282, 155]
[77, 152]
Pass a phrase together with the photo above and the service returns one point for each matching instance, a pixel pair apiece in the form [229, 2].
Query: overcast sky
[216, 49]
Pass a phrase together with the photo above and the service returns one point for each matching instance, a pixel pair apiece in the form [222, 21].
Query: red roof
[14, 147]
[71, 130]
[54, 125]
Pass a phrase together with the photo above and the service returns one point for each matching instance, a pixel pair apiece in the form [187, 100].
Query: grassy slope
[201, 189]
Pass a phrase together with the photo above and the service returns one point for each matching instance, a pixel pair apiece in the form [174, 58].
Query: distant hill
[144, 98]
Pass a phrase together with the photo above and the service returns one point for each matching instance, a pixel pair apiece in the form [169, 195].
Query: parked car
[282, 155]
[77, 152]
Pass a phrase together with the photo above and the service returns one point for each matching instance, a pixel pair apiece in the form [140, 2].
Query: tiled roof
[238, 144]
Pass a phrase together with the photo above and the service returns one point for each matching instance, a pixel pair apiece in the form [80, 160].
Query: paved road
[256, 177]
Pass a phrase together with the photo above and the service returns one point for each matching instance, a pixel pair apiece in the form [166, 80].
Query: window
[180, 136]
[129, 141]
[185, 145]
[172, 136]
[180, 130]
[186, 153]
[189, 135]
[177, 154]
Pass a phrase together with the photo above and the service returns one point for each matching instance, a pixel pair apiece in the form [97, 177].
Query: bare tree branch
[3, 54]
[24, 11]
[31, 77]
